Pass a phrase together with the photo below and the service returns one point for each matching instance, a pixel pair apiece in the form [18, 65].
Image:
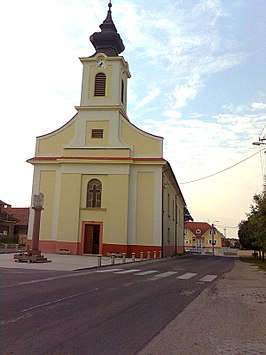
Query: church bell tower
[105, 73]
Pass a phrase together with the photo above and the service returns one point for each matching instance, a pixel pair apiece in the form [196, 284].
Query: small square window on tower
[97, 133]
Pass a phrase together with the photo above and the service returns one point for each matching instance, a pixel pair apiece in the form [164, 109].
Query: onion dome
[108, 41]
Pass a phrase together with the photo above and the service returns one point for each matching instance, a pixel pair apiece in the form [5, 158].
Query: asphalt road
[113, 310]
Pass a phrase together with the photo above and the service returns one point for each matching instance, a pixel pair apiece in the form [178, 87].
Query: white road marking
[126, 271]
[142, 273]
[208, 278]
[108, 270]
[164, 274]
[186, 276]
[14, 320]
[53, 302]
[46, 279]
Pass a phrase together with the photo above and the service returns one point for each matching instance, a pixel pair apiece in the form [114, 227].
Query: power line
[221, 171]
[263, 130]
[218, 225]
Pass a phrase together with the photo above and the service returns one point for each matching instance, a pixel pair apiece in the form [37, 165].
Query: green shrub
[7, 239]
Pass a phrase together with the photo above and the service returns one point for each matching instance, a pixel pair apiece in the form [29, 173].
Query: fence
[115, 258]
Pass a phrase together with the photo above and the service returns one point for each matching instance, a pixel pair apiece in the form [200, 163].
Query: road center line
[46, 279]
[55, 301]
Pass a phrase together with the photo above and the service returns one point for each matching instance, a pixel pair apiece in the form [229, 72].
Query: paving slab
[59, 262]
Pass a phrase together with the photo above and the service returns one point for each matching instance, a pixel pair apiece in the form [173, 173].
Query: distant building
[107, 187]
[14, 221]
[203, 236]
[230, 242]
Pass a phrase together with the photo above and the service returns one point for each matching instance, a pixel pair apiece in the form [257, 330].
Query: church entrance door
[92, 239]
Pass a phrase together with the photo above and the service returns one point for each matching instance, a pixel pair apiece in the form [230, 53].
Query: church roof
[108, 41]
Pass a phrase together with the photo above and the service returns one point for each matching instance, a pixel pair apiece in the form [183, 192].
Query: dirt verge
[229, 318]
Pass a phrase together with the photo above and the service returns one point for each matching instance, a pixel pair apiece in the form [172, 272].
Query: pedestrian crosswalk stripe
[208, 278]
[164, 274]
[108, 270]
[186, 276]
[138, 272]
[142, 273]
[127, 271]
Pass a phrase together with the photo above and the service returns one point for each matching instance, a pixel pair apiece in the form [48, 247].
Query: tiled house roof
[196, 226]
[2, 203]
[21, 214]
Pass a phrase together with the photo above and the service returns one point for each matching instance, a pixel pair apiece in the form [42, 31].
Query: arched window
[94, 193]
[100, 84]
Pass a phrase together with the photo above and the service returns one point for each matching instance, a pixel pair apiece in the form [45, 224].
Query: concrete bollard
[123, 258]
[160, 254]
[133, 257]
[141, 255]
[5, 246]
[148, 255]
[99, 260]
[154, 255]
[16, 247]
[112, 259]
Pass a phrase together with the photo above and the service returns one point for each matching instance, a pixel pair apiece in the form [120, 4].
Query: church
[106, 186]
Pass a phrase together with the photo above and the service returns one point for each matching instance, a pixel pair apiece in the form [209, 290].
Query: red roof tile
[21, 214]
[2, 203]
[193, 226]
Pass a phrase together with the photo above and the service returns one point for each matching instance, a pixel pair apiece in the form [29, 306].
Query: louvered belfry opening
[100, 84]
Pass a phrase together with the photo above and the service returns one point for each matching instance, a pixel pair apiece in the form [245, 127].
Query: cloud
[183, 94]
[187, 49]
[258, 106]
[148, 98]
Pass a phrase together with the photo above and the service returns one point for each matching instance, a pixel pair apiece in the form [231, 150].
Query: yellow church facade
[107, 187]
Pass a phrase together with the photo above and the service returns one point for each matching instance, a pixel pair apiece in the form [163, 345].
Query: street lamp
[260, 142]
[213, 241]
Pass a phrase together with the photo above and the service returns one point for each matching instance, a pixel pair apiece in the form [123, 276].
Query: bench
[64, 251]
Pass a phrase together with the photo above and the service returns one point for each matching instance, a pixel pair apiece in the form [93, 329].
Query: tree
[187, 215]
[252, 232]
[245, 235]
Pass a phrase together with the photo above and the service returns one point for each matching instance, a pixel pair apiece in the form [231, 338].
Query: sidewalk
[59, 262]
[229, 318]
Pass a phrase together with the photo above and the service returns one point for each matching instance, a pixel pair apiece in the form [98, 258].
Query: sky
[198, 79]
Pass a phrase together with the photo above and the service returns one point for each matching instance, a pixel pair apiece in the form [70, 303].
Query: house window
[198, 231]
[97, 133]
[94, 193]
[100, 84]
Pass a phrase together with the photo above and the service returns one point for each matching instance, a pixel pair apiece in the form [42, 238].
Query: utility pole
[212, 233]
[260, 142]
